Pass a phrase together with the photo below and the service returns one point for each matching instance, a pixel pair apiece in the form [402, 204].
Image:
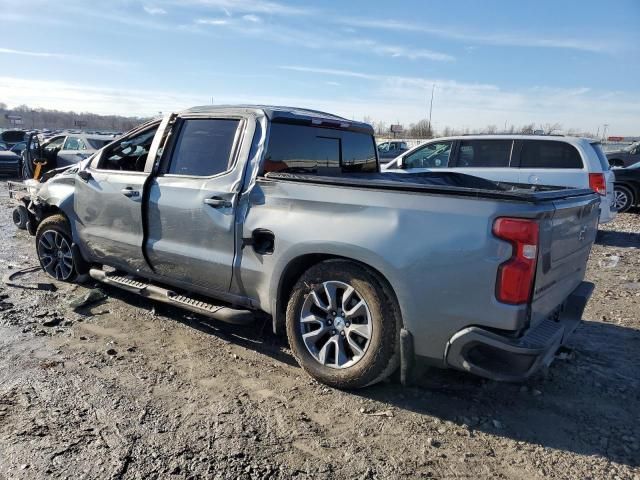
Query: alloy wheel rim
[336, 324]
[620, 199]
[55, 255]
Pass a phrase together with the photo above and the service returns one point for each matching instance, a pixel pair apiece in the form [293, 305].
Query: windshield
[631, 147]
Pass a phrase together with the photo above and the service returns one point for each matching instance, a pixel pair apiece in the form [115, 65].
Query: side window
[315, 150]
[72, 143]
[383, 147]
[203, 147]
[358, 153]
[54, 144]
[485, 153]
[549, 154]
[431, 155]
[301, 149]
[130, 153]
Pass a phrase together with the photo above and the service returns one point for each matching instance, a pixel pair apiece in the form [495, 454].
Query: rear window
[324, 151]
[604, 162]
[549, 154]
[484, 153]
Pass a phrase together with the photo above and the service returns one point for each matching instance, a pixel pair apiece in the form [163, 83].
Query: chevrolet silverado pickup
[231, 210]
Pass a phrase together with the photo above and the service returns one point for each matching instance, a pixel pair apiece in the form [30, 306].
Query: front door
[192, 204]
[108, 202]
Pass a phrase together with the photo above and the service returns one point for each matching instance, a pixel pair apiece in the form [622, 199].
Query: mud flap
[407, 357]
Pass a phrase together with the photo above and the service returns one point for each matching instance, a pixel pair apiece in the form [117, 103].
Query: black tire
[20, 217]
[624, 195]
[381, 355]
[55, 227]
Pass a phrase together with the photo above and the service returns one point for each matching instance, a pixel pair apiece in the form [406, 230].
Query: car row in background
[627, 187]
[625, 157]
[20, 150]
[527, 159]
[387, 151]
[59, 150]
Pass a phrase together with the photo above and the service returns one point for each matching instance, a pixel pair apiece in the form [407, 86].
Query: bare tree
[528, 129]
[549, 128]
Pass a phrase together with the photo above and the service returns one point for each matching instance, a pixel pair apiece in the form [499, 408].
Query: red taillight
[515, 276]
[598, 183]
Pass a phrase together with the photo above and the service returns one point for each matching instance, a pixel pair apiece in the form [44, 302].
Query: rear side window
[324, 151]
[203, 147]
[549, 154]
[602, 158]
[485, 153]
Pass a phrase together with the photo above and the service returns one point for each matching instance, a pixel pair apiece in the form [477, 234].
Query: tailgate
[565, 243]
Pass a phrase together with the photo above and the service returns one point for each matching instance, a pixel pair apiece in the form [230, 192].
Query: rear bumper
[499, 357]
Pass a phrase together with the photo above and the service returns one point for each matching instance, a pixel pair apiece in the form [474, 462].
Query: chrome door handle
[217, 202]
[129, 192]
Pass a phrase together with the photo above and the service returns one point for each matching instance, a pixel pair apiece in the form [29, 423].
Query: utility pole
[604, 131]
[431, 108]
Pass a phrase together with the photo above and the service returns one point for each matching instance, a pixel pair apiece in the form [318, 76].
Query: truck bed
[451, 183]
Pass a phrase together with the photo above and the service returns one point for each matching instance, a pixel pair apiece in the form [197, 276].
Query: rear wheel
[343, 326]
[54, 247]
[622, 198]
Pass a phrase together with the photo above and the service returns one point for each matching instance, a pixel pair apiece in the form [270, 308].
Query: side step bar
[153, 292]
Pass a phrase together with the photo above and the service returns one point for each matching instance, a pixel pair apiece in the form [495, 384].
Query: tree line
[39, 118]
[422, 129]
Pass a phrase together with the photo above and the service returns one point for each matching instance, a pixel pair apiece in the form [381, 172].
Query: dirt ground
[131, 389]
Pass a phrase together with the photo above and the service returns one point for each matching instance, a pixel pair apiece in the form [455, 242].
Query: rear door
[192, 201]
[550, 162]
[108, 201]
[486, 158]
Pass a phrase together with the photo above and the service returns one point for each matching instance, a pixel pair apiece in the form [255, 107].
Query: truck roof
[275, 113]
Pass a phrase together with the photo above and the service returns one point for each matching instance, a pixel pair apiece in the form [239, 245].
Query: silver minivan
[533, 159]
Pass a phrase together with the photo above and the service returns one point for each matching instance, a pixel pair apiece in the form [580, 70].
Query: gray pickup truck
[226, 211]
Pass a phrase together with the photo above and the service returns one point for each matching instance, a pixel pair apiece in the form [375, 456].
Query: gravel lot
[130, 389]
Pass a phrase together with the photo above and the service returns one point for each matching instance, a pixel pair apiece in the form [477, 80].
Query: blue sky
[576, 63]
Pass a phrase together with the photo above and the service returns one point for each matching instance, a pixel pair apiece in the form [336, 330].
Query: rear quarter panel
[436, 251]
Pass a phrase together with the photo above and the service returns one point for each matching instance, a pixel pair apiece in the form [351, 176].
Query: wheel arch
[296, 267]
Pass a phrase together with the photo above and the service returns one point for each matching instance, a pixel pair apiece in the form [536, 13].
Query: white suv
[536, 159]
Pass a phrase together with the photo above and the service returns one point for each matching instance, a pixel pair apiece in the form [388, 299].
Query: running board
[153, 292]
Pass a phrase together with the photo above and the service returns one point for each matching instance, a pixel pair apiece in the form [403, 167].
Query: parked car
[11, 137]
[627, 187]
[390, 150]
[534, 159]
[625, 157]
[9, 163]
[59, 150]
[285, 211]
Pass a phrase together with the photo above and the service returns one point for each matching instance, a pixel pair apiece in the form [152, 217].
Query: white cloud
[154, 10]
[252, 18]
[510, 39]
[475, 105]
[65, 56]
[254, 6]
[212, 21]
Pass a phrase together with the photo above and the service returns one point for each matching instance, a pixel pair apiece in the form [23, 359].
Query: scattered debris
[53, 322]
[9, 280]
[92, 296]
[112, 352]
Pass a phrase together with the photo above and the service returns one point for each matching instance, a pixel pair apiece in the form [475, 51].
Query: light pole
[431, 108]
